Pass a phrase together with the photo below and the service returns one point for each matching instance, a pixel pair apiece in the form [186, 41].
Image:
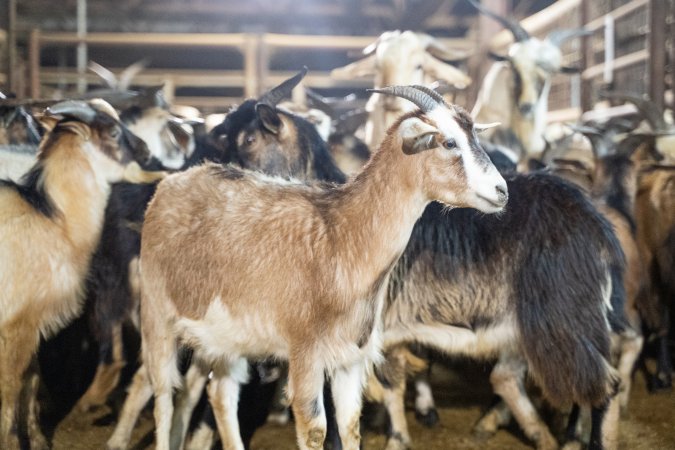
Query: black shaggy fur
[313, 150]
[549, 252]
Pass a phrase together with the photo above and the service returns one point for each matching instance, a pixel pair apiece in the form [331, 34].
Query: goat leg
[223, 391]
[507, 379]
[111, 363]
[347, 386]
[305, 386]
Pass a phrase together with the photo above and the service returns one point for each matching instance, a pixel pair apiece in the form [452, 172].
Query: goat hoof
[573, 445]
[395, 444]
[429, 420]
[661, 382]
[481, 434]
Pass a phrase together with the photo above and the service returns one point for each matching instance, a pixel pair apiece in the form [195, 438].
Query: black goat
[531, 286]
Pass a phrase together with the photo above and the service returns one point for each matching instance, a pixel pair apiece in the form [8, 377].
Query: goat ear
[446, 72]
[417, 136]
[269, 118]
[360, 68]
[480, 127]
[497, 57]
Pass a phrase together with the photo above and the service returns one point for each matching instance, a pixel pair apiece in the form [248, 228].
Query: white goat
[515, 90]
[400, 58]
[324, 254]
[49, 227]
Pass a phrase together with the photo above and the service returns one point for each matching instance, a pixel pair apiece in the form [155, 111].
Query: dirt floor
[461, 396]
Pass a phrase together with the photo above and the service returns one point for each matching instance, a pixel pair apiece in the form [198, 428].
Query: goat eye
[115, 133]
[449, 144]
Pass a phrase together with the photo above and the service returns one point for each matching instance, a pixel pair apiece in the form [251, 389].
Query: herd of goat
[269, 249]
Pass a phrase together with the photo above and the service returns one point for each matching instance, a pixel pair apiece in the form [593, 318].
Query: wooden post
[264, 54]
[11, 48]
[250, 51]
[587, 60]
[487, 29]
[34, 62]
[657, 51]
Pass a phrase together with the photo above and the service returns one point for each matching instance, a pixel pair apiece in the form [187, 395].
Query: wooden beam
[34, 62]
[657, 51]
[586, 83]
[12, 60]
[619, 63]
[537, 22]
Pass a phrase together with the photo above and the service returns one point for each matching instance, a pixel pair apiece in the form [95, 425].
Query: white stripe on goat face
[485, 187]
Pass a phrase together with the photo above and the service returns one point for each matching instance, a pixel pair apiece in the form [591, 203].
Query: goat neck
[384, 193]
[77, 192]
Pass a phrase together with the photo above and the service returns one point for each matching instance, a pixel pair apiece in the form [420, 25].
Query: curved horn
[276, 94]
[423, 99]
[128, 74]
[105, 74]
[599, 143]
[557, 37]
[519, 33]
[646, 108]
[74, 108]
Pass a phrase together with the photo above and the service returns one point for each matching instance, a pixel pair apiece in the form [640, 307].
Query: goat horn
[520, 34]
[105, 74]
[646, 108]
[422, 98]
[557, 37]
[74, 108]
[276, 94]
[599, 142]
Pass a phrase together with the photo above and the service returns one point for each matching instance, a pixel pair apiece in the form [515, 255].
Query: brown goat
[271, 267]
[655, 217]
[50, 224]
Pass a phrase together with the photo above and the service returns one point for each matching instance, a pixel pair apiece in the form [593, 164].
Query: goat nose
[526, 109]
[502, 193]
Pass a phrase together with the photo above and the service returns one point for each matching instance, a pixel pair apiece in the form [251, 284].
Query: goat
[256, 135]
[325, 252]
[612, 189]
[662, 131]
[110, 295]
[51, 223]
[655, 220]
[399, 58]
[531, 286]
[515, 90]
[19, 139]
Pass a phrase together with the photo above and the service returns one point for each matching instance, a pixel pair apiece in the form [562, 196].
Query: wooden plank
[657, 50]
[618, 13]
[34, 62]
[619, 63]
[206, 78]
[537, 22]
[586, 85]
[151, 39]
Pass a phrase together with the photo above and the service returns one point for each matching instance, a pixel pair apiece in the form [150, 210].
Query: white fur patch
[219, 334]
[484, 342]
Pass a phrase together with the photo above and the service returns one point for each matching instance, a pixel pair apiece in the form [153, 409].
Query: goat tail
[568, 299]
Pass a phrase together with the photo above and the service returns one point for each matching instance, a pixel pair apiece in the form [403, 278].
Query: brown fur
[44, 257]
[300, 267]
